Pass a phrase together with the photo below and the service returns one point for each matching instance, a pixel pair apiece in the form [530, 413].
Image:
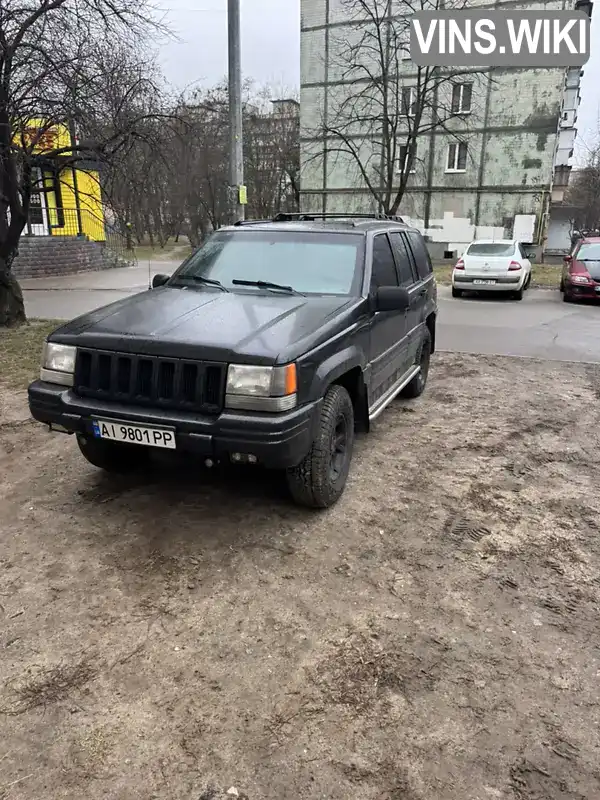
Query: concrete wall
[40, 256]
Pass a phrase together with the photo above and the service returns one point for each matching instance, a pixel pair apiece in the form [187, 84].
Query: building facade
[495, 169]
[66, 198]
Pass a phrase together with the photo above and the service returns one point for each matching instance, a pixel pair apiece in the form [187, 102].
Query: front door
[389, 344]
[38, 213]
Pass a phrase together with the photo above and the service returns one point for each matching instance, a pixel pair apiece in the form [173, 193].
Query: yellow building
[66, 200]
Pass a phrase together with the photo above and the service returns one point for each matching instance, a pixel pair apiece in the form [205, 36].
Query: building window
[461, 98]
[409, 101]
[403, 158]
[457, 157]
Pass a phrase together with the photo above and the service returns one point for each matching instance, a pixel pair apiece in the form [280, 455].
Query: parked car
[581, 271]
[492, 266]
[269, 345]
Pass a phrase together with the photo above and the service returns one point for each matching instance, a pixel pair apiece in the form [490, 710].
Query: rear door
[488, 260]
[389, 342]
[410, 279]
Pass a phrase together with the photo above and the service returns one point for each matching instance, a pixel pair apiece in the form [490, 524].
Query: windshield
[310, 263]
[491, 249]
[591, 251]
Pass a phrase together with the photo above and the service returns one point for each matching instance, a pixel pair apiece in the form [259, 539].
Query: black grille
[149, 380]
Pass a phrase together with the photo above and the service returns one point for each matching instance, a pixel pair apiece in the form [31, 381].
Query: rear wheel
[518, 295]
[456, 292]
[561, 288]
[319, 480]
[112, 456]
[417, 386]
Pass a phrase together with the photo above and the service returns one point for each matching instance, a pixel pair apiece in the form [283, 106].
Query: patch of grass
[170, 252]
[49, 686]
[546, 275]
[21, 350]
[443, 272]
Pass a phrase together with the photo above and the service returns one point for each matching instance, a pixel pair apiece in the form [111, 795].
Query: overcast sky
[271, 50]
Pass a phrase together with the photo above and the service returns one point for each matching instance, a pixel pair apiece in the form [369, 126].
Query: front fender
[333, 367]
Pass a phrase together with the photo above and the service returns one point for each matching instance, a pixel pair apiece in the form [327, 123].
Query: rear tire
[457, 292]
[561, 288]
[112, 456]
[417, 386]
[319, 480]
[518, 295]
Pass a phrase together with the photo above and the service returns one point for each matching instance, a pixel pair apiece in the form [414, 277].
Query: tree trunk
[12, 308]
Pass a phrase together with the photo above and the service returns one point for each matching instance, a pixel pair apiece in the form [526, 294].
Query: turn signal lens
[513, 266]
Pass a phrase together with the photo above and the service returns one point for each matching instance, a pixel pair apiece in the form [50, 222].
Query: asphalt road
[539, 326]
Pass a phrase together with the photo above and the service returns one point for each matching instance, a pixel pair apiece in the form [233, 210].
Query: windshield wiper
[587, 259]
[266, 285]
[202, 279]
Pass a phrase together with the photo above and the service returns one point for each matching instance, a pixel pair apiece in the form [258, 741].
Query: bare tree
[584, 193]
[74, 63]
[382, 107]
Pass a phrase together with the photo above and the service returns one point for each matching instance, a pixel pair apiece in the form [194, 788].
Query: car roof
[333, 224]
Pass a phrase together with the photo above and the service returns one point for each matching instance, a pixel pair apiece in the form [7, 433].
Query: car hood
[220, 326]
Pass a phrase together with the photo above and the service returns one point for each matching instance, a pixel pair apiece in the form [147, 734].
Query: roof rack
[285, 216]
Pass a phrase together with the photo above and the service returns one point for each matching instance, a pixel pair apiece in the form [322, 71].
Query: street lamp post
[237, 190]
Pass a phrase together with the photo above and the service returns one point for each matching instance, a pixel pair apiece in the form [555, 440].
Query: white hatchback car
[496, 266]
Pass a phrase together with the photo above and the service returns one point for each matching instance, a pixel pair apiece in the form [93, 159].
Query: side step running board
[392, 393]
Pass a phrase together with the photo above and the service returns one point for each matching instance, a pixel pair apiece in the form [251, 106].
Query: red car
[581, 273]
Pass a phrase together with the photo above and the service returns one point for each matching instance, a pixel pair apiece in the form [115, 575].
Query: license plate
[117, 431]
[485, 283]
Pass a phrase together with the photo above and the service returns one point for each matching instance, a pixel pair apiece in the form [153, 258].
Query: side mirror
[568, 259]
[159, 280]
[391, 298]
[531, 256]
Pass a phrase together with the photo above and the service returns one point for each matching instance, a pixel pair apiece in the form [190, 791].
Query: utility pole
[237, 190]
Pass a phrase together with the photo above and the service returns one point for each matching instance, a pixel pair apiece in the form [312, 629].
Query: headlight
[251, 388]
[58, 363]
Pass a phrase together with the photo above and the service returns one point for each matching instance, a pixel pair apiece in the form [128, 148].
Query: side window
[384, 268]
[420, 253]
[403, 260]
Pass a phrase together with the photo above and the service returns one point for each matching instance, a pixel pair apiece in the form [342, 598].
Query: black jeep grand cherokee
[271, 344]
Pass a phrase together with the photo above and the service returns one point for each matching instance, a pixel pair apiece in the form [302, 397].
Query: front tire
[112, 456]
[417, 386]
[567, 298]
[319, 480]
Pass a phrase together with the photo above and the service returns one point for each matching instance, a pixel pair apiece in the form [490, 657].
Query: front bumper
[503, 283]
[583, 291]
[278, 441]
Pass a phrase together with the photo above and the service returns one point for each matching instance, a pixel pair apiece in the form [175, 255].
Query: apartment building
[498, 165]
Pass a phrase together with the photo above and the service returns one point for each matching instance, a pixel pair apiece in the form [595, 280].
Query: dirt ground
[433, 637]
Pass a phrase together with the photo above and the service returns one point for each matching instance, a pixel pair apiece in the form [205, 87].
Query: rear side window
[420, 253]
[403, 260]
[384, 268]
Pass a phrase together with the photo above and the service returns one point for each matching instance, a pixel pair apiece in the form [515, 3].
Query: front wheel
[567, 298]
[319, 480]
[112, 456]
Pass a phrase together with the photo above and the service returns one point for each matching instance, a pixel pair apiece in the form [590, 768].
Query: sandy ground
[433, 637]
